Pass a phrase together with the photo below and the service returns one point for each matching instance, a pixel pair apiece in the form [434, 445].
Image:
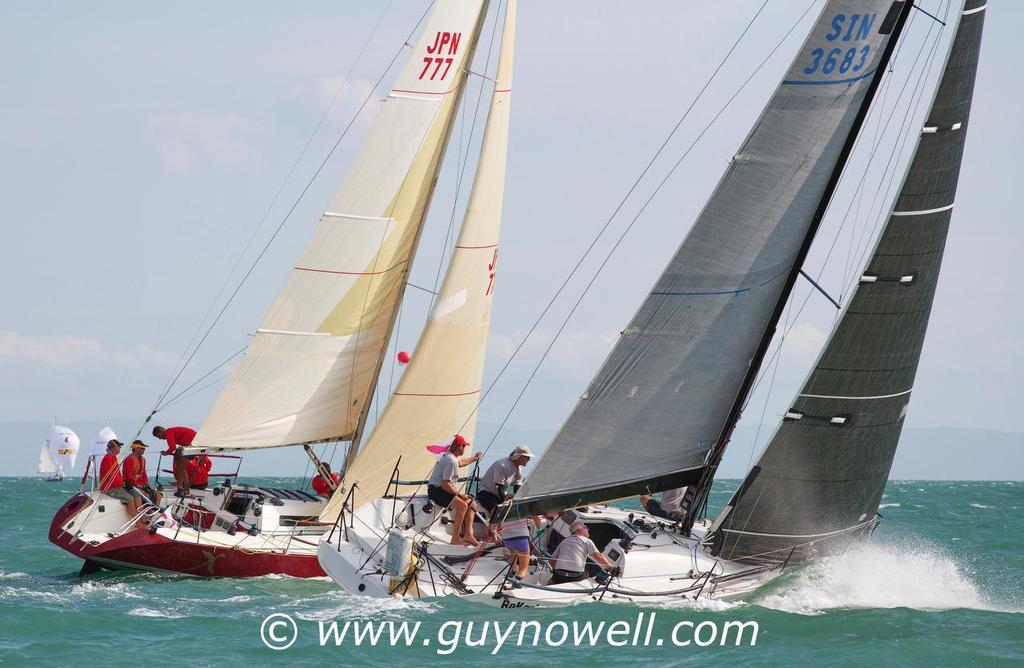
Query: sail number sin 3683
[856, 28]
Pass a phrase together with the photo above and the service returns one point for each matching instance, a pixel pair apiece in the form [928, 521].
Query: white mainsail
[440, 389]
[309, 371]
[46, 464]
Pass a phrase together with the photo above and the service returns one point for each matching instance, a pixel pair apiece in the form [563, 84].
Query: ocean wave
[150, 612]
[897, 574]
[889, 505]
[980, 505]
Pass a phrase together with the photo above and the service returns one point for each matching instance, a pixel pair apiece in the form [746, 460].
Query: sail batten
[820, 476]
[439, 391]
[660, 402]
[309, 372]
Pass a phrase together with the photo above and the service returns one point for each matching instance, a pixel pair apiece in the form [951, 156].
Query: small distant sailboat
[661, 410]
[58, 453]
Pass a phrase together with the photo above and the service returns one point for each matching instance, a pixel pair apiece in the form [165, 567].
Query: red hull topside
[138, 549]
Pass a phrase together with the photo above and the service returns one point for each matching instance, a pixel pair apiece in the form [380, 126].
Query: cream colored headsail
[309, 371]
[440, 389]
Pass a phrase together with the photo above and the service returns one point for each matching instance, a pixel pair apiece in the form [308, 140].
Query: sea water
[942, 583]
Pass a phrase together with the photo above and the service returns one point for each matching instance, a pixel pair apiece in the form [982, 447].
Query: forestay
[309, 371]
[663, 396]
[439, 391]
[820, 480]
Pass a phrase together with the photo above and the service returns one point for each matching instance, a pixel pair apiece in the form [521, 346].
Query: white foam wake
[880, 575]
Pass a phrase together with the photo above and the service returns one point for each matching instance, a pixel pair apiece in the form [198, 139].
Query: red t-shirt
[134, 471]
[198, 470]
[176, 436]
[320, 485]
[110, 473]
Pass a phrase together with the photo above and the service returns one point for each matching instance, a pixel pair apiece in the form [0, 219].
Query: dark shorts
[520, 544]
[488, 500]
[440, 496]
[121, 494]
[654, 508]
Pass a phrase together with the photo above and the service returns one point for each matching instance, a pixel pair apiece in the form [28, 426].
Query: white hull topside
[661, 566]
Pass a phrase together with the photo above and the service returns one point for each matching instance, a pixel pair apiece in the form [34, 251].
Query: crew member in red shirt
[177, 438]
[320, 485]
[198, 471]
[112, 483]
[133, 470]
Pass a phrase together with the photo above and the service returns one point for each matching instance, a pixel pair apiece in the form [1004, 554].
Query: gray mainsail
[819, 482]
[666, 394]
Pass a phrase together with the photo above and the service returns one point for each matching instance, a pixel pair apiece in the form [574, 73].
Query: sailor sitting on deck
[442, 491]
[505, 473]
[578, 558]
[669, 506]
[133, 470]
[177, 438]
[112, 483]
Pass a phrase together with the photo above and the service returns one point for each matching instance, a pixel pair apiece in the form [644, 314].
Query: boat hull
[138, 549]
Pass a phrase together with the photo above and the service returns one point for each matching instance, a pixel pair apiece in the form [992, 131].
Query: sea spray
[890, 574]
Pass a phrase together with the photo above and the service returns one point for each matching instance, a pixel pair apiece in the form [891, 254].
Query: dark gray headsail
[820, 480]
[660, 401]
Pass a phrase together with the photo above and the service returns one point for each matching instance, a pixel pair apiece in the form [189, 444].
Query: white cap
[521, 451]
[577, 526]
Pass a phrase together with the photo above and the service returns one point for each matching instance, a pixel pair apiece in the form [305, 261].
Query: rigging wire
[463, 163]
[188, 359]
[908, 115]
[639, 213]
[360, 428]
[614, 214]
[899, 144]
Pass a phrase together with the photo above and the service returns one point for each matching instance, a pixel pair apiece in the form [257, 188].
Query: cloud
[63, 353]
[76, 376]
[187, 141]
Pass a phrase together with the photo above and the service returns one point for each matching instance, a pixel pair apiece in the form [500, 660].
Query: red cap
[458, 440]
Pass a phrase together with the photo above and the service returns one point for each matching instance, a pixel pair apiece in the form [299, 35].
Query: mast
[818, 484]
[439, 391]
[897, 19]
[364, 414]
[657, 407]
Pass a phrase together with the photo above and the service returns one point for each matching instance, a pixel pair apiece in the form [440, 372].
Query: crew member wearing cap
[177, 438]
[197, 467]
[500, 476]
[577, 557]
[442, 491]
[112, 483]
[133, 470]
[669, 507]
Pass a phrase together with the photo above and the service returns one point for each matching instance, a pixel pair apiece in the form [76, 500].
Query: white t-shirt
[517, 528]
[671, 498]
[573, 552]
[500, 475]
[446, 468]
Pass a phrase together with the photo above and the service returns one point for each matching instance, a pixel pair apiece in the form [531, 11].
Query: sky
[142, 145]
